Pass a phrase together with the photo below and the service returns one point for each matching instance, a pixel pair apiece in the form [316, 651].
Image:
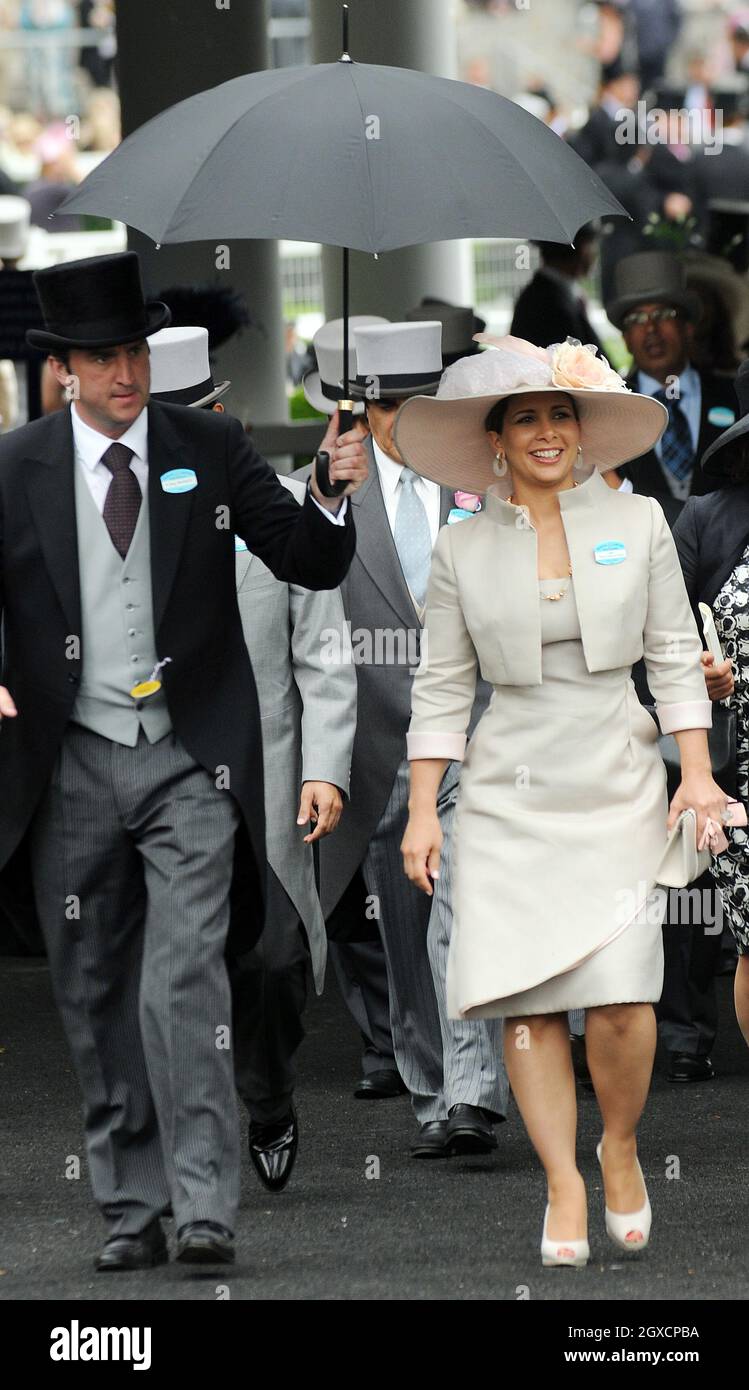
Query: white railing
[52, 38]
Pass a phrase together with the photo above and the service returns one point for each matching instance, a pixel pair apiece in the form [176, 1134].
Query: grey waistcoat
[117, 637]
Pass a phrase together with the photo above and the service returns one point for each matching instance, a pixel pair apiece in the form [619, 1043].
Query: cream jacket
[483, 611]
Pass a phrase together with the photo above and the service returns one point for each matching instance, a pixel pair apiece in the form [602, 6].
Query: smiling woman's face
[540, 437]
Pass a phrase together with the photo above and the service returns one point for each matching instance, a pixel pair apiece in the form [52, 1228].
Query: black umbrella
[352, 154]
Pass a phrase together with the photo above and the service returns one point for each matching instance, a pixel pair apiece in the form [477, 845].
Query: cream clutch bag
[682, 861]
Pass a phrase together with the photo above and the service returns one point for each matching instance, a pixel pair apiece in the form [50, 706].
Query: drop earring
[499, 466]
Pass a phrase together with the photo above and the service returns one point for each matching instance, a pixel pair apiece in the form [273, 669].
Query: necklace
[551, 598]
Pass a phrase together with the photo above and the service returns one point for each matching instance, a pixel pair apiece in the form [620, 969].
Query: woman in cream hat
[554, 588]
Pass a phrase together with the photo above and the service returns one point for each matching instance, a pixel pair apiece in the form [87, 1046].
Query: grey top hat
[396, 360]
[651, 277]
[181, 369]
[715, 459]
[323, 385]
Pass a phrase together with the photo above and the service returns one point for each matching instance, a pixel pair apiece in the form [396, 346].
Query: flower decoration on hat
[569, 365]
[488, 373]
[578, 366]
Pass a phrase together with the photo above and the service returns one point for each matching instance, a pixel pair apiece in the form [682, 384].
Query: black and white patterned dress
[731, 869]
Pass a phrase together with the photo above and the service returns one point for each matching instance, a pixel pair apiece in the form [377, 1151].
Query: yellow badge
[143, 689]
[139, 692]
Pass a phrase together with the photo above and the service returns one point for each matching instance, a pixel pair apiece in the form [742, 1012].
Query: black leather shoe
[380, 1085]
[684, 1068]
[205, 1243]
[143, 1251]
[469, 1131]
[273, 1151]
[432, 1140]
[580, 1062]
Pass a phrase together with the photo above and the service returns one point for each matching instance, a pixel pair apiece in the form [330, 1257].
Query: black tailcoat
[209, 686]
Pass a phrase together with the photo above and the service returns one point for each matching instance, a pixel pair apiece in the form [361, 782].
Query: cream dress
[550, 837]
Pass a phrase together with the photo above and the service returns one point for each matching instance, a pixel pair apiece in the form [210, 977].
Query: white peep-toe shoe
[574, 1253]
[621, 1224]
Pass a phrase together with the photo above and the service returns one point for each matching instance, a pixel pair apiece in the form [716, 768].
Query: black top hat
[650, 277]
[715, 460]
[97, 302]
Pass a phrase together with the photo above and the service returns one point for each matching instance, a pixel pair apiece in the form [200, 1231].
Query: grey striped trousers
[132, 851]
[443, 1061]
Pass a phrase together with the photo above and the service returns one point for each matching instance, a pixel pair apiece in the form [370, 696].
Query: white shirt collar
[390, 471]
[90, 444]
[689, 383]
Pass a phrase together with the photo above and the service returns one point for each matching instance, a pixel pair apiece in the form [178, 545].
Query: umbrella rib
[304, 77]
[351, 75]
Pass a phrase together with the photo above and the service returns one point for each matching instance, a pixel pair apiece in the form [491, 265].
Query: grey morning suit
[308, 717]
[132, 847]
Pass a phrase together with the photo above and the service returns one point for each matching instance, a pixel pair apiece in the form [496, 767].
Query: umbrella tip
[345, 55]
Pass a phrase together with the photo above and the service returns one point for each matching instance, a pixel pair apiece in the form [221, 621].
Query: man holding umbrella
[131, 743]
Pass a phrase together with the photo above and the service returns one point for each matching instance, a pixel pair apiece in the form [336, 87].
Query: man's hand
[718, 679]
[7, 707]
[322, 803]
[347, 460]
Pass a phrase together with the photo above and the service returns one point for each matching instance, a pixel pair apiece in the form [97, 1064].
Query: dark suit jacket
[209, 685]
[545, 314]
[711, 536]
[596, 141]
[646, 472]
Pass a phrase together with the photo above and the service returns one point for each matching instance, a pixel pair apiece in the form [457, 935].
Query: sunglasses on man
[640, 317]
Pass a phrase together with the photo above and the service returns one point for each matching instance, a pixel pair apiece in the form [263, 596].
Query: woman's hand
[698, 791]
[718, 679]
[420, 847]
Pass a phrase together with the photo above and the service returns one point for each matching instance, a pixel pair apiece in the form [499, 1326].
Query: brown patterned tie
[123, 498]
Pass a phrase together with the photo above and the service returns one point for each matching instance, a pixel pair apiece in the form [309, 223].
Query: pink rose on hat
[579, 367]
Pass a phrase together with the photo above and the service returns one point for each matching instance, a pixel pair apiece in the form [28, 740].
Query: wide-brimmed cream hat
[444, 437]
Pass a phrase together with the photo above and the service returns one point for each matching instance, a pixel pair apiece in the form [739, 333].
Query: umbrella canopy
[351, 154]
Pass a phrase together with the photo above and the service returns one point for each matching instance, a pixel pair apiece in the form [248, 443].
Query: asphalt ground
[360, 1220]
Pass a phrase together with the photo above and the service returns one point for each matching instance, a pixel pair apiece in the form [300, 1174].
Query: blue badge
[179, 480]
[722, 416]
[239, 544]
[458, 514]
[610, 553]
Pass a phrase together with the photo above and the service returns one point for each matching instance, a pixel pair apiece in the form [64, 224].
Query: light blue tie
[413, 539]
